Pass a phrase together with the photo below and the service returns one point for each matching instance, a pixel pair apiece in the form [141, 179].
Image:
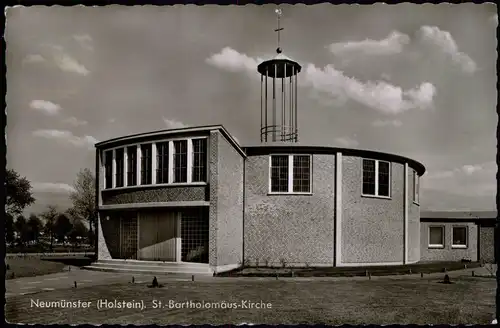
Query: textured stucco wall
[372, 228]
[448, 253]
[298, 229]
[413, 223]
[154, 194]
[108, 246]
[226, 202]
[486, 246]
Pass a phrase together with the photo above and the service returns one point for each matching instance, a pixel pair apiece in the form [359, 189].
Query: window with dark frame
[301, 173]
[368, 177]
[180, 161]
[146, 164]
[131, 165]
[436, 236]
[279, 173]
[199, 160]
[383, 178]
[119, 158]
[416, 187]
[162, 162]
[108, 169]
[459, 236]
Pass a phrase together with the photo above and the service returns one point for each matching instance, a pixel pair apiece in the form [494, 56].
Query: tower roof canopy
[279, 67]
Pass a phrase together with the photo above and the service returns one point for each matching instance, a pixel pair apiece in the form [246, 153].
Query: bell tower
[278, 87]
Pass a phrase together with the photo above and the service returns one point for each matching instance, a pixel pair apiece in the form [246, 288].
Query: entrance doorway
[128, 237]
[159, 238]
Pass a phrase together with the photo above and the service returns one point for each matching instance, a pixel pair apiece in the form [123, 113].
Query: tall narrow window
[383, 178]
[199, 160]
[279, 173]
[146, 164]
[416, 187]
[132, 166]
[162, 162]
[180, 161]
[108, 169]
[119, 157]
[376, 178]
[368, 177]
[301, 173]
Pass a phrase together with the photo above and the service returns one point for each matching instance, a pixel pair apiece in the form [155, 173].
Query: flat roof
[284, 147]
[458, 214]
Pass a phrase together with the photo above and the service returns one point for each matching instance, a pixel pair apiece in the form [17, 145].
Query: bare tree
[83, 198]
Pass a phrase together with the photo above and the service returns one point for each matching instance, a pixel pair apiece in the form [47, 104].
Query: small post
[366, 273]
[75, 284]
[276, 275]
[465, 266]
[133, 280]
[409, 271]
[69, 268]
[421, 274]
[292, 273]
[192, 277]
[473, 273]
[369, 276]
[444, 269]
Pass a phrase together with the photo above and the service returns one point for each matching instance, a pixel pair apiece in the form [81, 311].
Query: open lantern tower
[279, 110]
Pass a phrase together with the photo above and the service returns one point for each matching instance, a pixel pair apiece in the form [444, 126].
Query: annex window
[376, 178]
[199, 160]
[162, 162]
[108, 169]
[180, 161]
[132, 166]
[436, 237]
[416, 187]
[146, 164]
[119, 157]
[459, 237]
[290, 174]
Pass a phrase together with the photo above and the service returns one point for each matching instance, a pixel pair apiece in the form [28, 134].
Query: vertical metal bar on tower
[296, 116]
[265, 100]
[261, 106]
[274, 101]
[291, 105]
[283, 109]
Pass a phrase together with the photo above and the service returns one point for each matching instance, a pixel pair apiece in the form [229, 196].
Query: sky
[414, 80]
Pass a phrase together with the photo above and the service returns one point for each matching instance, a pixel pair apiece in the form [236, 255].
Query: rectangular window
[146, 164]
[180, 161]
[108, 169]
[290, 174]
[119, 158]
[199, 160]
[459, 237]
[301, 173]
[416, 187]
[436, 237]
[376, 178]
[132, 166]
[162, 162]
[279, 173]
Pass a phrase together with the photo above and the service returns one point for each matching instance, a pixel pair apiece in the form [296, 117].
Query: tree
[22, 230]
[50, 217]
[62, 226]
[78, 232]
[34, 228]
[9, 228]
[18, 190]
[83, 199]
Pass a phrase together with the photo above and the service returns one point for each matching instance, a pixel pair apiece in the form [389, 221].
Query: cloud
[85, 41]
[33, 58]
[52, 187]
[379, 95]
[46, 107]
[494, 19]
[172, 124]
[346, 142]
[112, 120]
[75, 122]
[444, 42]
[67, 137]
[67, 63]
[392, 44]
[464, 170]
[384, 123]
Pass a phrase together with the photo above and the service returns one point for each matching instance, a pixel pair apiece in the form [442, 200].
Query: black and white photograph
[251, 164]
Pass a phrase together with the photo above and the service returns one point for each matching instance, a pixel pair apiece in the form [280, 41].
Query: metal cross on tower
[278, 14]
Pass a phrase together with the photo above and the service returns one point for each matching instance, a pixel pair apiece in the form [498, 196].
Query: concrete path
[83, 278]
